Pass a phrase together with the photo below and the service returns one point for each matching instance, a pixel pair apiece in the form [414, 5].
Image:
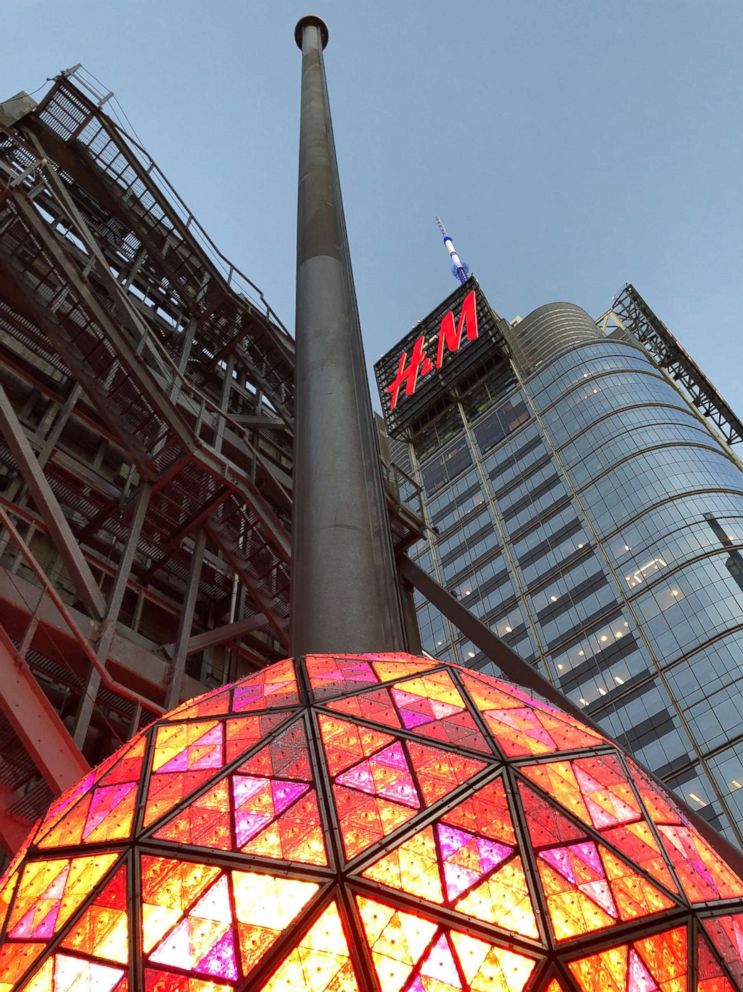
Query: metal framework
[370, 823]
[629, 312]
[146, 403]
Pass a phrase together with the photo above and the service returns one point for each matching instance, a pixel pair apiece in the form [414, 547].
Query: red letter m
[451, 336]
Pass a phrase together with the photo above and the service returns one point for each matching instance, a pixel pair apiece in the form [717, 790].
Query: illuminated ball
[373, 823]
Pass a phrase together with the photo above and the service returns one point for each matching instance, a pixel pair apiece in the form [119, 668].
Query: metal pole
[344, 583]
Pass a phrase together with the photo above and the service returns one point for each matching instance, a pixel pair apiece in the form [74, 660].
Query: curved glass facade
[595, 522]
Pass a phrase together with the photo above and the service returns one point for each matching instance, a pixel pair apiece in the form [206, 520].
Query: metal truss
[146, 402]
[630, 313]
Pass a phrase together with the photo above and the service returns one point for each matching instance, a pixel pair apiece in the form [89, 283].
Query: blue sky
[570, 145]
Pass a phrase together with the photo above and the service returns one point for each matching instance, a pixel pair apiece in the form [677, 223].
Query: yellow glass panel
[503, 899]
[319, 963]
[491, 969]
[412, 867]
[265, 905]
[436, 685]
[397, 941]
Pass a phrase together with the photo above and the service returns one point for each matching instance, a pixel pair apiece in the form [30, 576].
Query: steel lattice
[378, 823]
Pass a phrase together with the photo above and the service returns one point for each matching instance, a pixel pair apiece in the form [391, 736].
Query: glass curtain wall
[595, 523]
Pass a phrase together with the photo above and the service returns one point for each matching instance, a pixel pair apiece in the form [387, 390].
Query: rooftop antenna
[458, 268]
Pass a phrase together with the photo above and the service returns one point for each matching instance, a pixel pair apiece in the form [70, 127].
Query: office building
[584, 500]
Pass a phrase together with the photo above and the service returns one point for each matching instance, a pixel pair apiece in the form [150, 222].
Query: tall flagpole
[345, 597]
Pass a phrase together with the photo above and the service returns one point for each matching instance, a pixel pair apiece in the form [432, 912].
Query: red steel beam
[13, 828]
[36, 722]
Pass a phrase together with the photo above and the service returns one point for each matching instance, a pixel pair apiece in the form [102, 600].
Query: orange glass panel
[487, 968]
[486, 695]
[604, 972]
[106, 811]
[365, 820]
[264, 907]
[103, 929]
[634, 895]
[397, 941]
[433, 706]
[347, 743]
[519, 732]
[204, 822]
[435, 687]
[214, 703]
[658, 806]
[258, 801]
[579, 898]
[665, 955]
[274, 686]
[332, 676]
[703, 875]
[503, 899]
[557, 779]
[485, 812]
[440, 772]
[546, 824]
[320, 962]
[376, 706]
[169, 889]
[157, 980]
[7, 888]
[554, 986]
[243, 732]
[637, 843]
[286, 756]
[467, 858]
[412, 867]
[15, 960]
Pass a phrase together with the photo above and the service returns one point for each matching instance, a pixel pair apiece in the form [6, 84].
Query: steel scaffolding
[146, 398]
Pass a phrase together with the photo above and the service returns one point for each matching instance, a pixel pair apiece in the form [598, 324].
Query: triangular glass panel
[726, 933]
[186, 755]
[264, 906]
[347, 743]
[320, 962]
[103, 929]
[332, 675]
[106, 811]
[274, 686]
[489, 968]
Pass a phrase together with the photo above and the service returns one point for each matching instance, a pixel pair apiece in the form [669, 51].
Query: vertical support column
[344, 581]
[47, 505]
[108, 626]
[180, 650]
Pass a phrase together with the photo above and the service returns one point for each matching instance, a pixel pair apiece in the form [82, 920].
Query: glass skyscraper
[583, 508]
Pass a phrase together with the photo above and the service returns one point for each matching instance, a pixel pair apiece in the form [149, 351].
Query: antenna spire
[459, 269]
